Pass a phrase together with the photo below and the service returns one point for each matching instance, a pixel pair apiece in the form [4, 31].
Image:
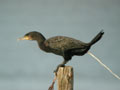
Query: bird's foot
[56, 70]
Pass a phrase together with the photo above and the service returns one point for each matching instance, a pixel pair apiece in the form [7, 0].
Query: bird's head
[33, 36]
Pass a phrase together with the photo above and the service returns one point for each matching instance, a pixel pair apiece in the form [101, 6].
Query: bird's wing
[62, 43]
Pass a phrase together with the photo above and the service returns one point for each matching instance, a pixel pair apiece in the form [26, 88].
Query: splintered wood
[65, 78]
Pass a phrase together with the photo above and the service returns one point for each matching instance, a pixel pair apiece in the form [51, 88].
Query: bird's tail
[97, 38]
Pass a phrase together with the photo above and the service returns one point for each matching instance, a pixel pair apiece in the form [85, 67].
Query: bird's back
[59, 44]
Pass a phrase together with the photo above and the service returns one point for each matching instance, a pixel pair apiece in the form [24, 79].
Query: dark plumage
[61, 45]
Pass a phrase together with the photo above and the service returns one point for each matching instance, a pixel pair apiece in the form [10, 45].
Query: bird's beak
[24, 38]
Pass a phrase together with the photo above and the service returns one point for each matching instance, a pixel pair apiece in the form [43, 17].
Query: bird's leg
[60, 65]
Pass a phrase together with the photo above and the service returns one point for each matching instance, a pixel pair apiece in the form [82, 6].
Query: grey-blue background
[24, 67]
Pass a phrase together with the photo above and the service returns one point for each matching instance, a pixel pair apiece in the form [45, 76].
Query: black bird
[62, 45]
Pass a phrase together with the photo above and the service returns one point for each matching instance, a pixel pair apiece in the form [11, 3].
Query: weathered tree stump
[65, 78]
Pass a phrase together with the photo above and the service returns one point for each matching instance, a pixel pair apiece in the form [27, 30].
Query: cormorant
[62, 45]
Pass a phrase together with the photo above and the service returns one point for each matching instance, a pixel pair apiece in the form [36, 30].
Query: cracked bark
[65, 78]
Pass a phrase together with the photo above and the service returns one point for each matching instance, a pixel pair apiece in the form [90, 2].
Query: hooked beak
[24, 38]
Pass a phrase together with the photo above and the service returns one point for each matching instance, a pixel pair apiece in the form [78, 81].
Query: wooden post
[65, 78]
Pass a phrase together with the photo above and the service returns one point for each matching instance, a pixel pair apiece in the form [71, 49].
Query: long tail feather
[98, 60]
[97, 37]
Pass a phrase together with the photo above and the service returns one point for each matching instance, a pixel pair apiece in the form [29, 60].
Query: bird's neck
[41, 39]
[42, 46]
